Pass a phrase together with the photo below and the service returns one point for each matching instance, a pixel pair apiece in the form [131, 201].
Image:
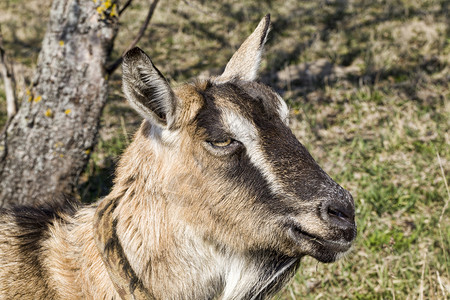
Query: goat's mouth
[324, 250]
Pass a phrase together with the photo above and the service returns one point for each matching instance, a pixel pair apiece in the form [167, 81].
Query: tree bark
[45, 147]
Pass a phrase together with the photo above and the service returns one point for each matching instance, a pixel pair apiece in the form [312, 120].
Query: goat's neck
[175, 262]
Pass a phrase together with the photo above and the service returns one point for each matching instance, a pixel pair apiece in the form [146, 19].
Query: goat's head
[228, 165]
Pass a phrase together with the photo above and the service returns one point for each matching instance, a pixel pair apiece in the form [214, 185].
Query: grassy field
[369, 89]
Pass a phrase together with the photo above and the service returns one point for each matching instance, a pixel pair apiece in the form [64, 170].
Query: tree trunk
[45, 147]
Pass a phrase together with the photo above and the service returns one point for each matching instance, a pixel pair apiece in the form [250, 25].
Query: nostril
[340, 213]
[337, 213]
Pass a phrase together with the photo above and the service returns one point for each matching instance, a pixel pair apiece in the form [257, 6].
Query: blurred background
[368, 84]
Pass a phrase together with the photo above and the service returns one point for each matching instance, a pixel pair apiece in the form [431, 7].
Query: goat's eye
[221, 144]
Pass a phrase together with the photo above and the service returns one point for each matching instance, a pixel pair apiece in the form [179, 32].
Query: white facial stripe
[245, 132]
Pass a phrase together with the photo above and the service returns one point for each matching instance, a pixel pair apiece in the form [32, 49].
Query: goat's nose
[339, 212]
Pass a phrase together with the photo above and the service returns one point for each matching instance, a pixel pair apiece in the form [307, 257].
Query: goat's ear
[146, 88]
[245, 62]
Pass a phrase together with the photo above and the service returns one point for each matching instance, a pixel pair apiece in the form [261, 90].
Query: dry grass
[368, 86]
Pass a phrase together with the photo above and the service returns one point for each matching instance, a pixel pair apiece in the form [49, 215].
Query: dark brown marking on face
[292, 163]
[289, 158]
[237, 168]
[208, 119]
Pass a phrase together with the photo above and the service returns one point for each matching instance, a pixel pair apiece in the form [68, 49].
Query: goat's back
[23, 274]
[50, 253]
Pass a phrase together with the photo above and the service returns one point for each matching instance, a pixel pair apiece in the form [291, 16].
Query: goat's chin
[326, 257]
[324, 250]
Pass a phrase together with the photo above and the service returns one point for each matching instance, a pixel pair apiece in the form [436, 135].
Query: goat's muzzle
[329, 234]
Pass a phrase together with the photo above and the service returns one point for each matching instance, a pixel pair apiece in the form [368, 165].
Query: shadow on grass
[337, 16]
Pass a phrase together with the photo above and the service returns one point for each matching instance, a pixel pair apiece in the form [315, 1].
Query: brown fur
[187, 219]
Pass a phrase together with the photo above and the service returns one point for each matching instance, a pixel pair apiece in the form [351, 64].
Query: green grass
[376, 123]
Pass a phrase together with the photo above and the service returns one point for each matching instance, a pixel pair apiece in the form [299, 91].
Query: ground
[368, 87]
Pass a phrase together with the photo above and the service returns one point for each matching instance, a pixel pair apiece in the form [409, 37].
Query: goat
[215, 198]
